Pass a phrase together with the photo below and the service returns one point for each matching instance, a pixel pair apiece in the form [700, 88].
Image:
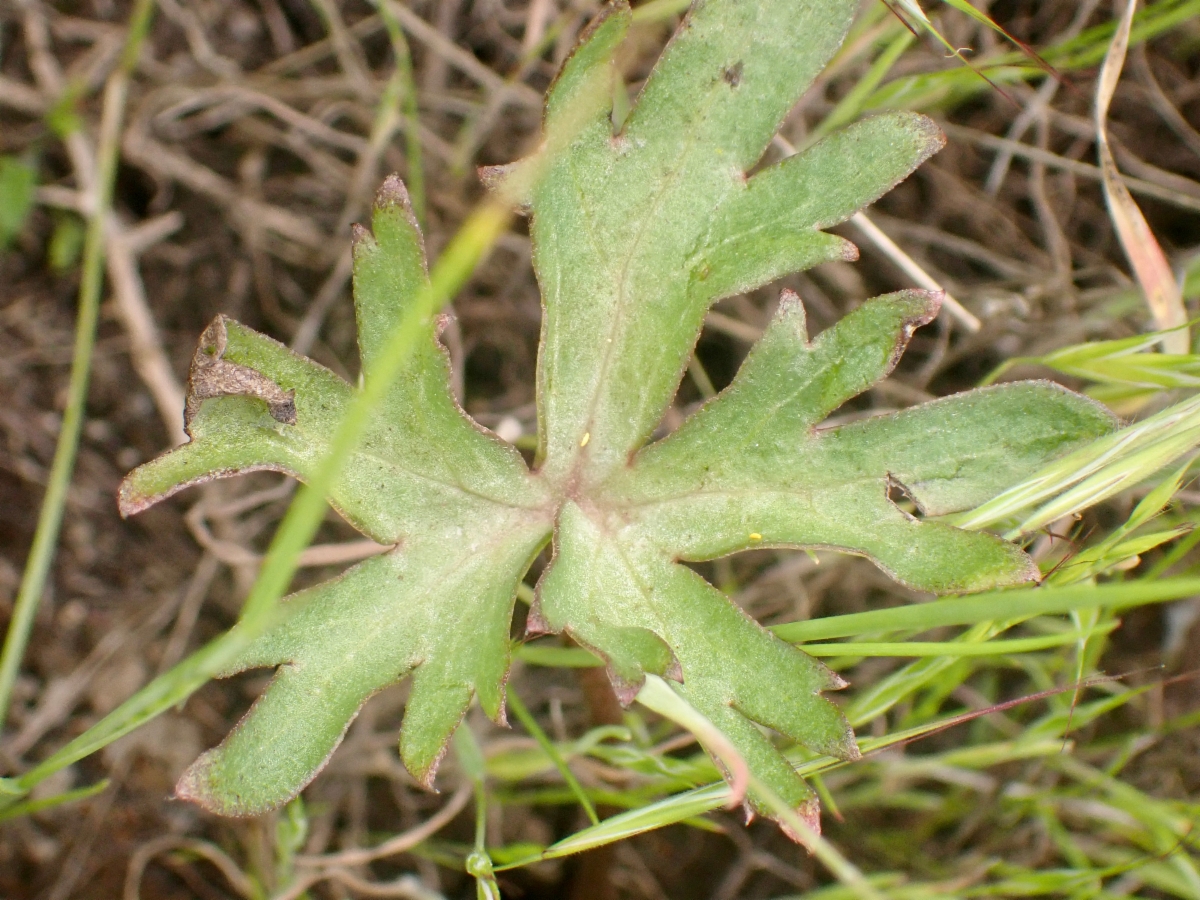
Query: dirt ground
[254, 138]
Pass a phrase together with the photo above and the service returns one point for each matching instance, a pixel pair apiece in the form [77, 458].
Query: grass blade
[992, 606]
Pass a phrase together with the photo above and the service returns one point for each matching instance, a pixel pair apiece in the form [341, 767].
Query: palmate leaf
[636, 235]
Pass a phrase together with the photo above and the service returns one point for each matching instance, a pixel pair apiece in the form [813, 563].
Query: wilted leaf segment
[636, 235]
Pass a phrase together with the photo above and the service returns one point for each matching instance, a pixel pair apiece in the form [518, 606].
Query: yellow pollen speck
[755, 536]
[583, 441]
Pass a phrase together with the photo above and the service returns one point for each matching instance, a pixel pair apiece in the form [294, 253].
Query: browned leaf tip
[809, 813]
[213, 376]
[394, 193]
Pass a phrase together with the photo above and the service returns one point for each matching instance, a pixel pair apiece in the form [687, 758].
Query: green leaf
[421, 464]
[617, 334]
[424, 610]
[66, 243]
[17, 182]
[644, 614]
[770, 228]
[636, 235]
[749, 469]
[458, 503]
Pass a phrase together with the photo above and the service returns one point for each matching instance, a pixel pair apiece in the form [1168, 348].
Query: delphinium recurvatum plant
[637, 232]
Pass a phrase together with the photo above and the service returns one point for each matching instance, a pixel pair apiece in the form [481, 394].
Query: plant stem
[45, 538]
[415, 182]
[526, 719]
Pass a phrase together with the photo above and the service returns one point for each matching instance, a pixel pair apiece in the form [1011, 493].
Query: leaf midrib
[623, 295]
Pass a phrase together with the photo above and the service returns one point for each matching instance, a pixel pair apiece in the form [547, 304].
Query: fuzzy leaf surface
[459, 504]
[614, 216]
[636, 234]
[751, 469]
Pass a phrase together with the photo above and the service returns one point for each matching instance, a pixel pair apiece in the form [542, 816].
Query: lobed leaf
[464, 513]
[437, 608]
[620, 596]
[422, 461]
[616, 333]
[636, 234]
[751, 469]
[770, 228]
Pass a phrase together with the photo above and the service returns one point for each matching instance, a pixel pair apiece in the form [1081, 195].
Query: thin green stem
[43, 803]
[163, 693]
[950, 648]
[478, 863]
[45, 538]
[530, 723]
[415, 182]
[992, 605]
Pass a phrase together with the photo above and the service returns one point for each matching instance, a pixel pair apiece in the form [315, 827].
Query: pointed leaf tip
[130, 501]
[432, 715]
[809, 814]
[834, 681]
[360, 238]
[393, 192]
[535, 623]
[582, 87]
[625, 690]
[925, 134]
[579, 97]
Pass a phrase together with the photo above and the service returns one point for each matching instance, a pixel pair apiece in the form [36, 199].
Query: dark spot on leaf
[733, 75]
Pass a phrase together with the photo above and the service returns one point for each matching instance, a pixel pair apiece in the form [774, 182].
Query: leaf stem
[45, 538]
[478, 863]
